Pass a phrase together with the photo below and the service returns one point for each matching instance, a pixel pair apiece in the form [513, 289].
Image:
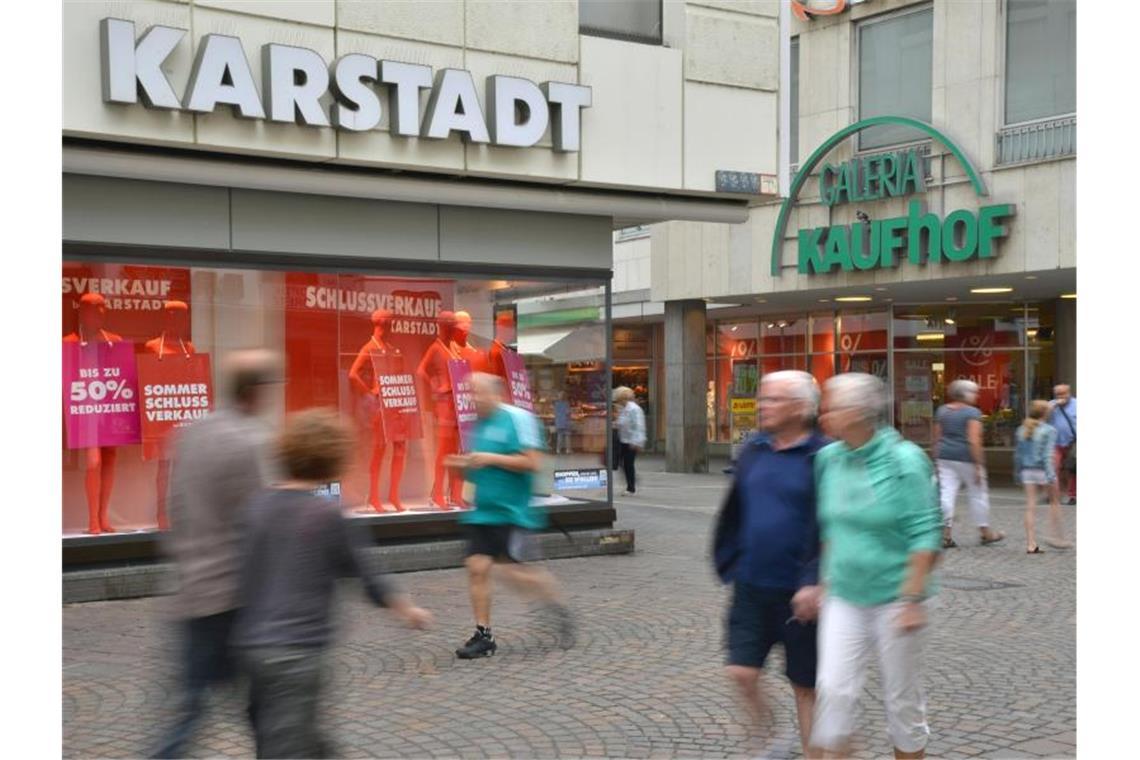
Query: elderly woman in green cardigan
[880, 528]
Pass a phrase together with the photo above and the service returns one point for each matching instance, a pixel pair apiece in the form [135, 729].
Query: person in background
[1063, 418]
[961, 461]
[297, 545]
[1033, 466]
[219, 463]
[631, 433]
[880, 535]
[767, 546]
[505, 453]
[561, 424]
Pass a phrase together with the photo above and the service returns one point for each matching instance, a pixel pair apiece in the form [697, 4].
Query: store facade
[927, 232]
[387, 200]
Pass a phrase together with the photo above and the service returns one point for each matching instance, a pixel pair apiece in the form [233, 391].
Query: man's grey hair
[801, 385]
[962, 390]
[858, 390]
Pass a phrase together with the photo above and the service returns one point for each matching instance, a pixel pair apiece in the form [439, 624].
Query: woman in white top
[631, 434]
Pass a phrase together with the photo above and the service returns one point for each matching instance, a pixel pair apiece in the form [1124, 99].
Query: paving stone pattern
[645, 679]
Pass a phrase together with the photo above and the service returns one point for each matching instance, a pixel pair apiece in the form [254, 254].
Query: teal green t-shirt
[876, 507]
[502, 497]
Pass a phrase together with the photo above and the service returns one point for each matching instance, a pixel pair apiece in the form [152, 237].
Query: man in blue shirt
[767, 546]
[1063, 417]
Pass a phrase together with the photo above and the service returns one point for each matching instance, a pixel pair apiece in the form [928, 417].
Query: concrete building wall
[655, 123]
[694, 260]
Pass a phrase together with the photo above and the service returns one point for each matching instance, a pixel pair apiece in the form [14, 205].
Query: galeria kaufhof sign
[921, 237]
[294, 79]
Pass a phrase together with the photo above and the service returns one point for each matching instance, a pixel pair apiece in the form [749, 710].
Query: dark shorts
[758, 619]
[502, 542]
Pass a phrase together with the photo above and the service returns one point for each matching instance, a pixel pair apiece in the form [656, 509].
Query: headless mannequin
[381, 321]
[504, 329]
[433, 373]
[174, 342]
[100, 460]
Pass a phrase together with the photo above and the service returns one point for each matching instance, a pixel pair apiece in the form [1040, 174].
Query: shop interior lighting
[782, 324]
[1070, 296]
[771, 325]
[1031, 277]
[930, 336]
[735, 328]
[853, 299]
[938, 366]
[988, 291]
[949, 320]
[951, 298]
[1031, 332]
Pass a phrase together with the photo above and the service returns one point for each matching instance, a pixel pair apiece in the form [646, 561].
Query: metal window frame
[643, 39]
[856, 77]
[1002, 78]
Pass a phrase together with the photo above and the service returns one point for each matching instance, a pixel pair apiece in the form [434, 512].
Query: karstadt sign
[294, 79]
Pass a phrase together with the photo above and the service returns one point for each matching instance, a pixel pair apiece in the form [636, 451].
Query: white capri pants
[952, 475]
[847, 636]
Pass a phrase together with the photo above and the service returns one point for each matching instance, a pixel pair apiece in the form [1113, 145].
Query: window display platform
[565, 513]
[140, 578]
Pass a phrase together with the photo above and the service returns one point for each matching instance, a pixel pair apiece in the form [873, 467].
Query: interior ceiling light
[854, 299]
[931, 336]
[949, 320]
[986, 291]
[881, 290]
[951, 298]
[1070, 296]
[1031, 277]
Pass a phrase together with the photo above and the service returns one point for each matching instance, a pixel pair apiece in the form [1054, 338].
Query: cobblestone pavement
[644, 680]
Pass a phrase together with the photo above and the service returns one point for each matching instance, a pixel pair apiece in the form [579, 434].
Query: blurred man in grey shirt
[220, 462]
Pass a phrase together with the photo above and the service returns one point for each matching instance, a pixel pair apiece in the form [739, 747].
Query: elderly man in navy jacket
[767, 546]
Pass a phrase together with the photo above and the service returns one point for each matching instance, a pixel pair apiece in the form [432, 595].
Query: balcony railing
[1052, 138]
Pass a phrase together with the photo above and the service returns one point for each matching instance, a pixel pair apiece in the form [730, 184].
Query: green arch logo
[825, 148]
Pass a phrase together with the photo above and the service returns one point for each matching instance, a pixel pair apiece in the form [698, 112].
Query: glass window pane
[710, 400]
[862, 331]
[1040, 59]
[974, 327]
[895, 59]
[794, 102]
[359, 343]
[626, 19]
[783, 335]
[737, 339]
[919, 383]
[822, 332]
[822, 367]
[769, 364]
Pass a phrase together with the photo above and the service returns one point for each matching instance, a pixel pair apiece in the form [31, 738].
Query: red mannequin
[433, 373]
[100, 478]
[381, 322]
[504, 334]
[459, 342]
[174, 341]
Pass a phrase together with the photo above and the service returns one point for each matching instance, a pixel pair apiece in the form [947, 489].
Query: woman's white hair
[962, 390]
[801, 385]
[858, 390]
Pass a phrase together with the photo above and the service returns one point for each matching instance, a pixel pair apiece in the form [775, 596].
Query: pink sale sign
[100, 394]
[460, 372]
[518, 381]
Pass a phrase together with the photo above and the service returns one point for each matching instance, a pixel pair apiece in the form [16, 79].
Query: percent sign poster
[100, 394]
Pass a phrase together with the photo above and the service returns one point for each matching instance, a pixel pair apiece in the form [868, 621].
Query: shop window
[633, 20]
[823, 333]
[895, 64]
[143, 343]
[770, 364]
[1040, 59]
[738, 340]
[822, 366]
[974, 327]
[920, 382]
[783, 335]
